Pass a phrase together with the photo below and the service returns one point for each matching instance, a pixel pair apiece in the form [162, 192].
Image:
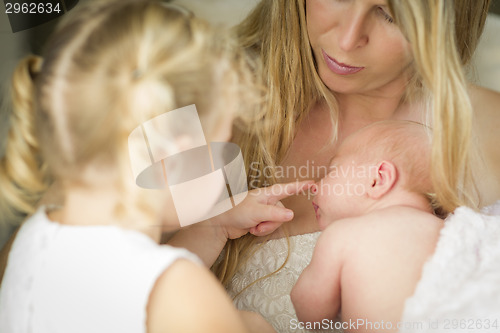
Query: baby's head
[108, 68]
[372, 166]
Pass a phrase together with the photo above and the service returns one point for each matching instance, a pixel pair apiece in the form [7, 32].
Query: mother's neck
[359, 110]
[369, 108]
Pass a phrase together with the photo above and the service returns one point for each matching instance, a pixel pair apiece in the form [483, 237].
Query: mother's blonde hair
[444, 35]
[109, 67]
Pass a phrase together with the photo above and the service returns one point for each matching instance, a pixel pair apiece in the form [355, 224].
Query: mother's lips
[338, 67]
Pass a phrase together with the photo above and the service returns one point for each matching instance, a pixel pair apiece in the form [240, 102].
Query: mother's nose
[353, 32]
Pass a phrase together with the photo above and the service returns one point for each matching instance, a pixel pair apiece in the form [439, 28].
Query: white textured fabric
[271, 296]
[80, 278]
[460, 286]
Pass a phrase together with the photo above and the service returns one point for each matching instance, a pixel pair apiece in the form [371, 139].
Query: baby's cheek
[322, 200]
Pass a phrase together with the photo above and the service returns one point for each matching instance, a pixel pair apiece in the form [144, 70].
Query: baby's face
[342, 192]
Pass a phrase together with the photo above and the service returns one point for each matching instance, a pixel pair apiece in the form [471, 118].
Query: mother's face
[358, 48]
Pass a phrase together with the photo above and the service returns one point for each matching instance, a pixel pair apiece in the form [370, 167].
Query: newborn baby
[379, 229]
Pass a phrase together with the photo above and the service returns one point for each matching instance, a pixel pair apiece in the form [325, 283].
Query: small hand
[261, 212]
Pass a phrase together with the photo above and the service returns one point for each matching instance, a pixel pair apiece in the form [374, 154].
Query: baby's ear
[386, 175]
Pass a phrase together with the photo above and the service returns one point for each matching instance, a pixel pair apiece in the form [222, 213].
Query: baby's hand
[261, 212]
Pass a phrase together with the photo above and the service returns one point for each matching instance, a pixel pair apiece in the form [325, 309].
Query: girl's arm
[255, 323]
[204, 239]
[260, 214]
[187, 298]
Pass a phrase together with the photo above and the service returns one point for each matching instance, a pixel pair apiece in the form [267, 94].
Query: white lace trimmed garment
[62, 279]
[460, 286]
[271, 296]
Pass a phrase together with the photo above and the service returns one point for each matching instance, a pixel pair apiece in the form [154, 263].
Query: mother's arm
[486, 106]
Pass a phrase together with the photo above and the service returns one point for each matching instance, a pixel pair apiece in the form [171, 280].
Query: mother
[332, 67]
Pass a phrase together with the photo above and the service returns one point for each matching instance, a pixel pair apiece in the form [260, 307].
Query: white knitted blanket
[460, 286]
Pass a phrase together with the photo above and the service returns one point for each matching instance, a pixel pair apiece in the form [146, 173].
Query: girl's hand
[261, 212]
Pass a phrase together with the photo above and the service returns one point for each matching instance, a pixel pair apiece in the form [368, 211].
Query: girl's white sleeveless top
[64, 279]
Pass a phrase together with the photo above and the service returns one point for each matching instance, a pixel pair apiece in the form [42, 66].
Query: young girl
[93, 264]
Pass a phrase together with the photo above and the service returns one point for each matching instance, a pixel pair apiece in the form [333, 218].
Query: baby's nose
[314, 188]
